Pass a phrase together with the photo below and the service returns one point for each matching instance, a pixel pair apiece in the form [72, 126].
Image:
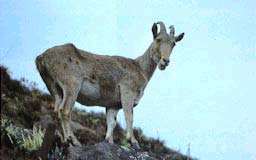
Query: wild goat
[114, 82]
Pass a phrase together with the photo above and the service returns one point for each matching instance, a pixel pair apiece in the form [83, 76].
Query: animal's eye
[158, 40]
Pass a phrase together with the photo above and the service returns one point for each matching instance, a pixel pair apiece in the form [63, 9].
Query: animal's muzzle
[162, 67]
[166, 62]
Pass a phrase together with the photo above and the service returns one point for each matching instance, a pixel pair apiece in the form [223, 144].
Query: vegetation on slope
[26, 113]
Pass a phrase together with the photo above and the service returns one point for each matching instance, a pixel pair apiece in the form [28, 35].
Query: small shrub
[56, 154]
[125, 142]
[34, 141]
[46, 97]
[8, 129]
[23, 139]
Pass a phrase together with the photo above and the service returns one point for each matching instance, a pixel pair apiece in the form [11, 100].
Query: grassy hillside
[26, 111]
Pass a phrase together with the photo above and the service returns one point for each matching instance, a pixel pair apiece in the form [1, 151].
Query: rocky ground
[29, 130]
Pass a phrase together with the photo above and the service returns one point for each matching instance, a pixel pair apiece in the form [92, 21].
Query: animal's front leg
[127, 99]
[128, 111]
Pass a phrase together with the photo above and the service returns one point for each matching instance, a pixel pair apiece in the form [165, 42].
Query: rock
[85, 135]
[107, 151]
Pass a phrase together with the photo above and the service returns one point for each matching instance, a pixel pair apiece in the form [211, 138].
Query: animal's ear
[179, 37]
[154, 30]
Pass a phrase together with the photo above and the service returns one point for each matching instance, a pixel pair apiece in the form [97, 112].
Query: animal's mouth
[162, 67]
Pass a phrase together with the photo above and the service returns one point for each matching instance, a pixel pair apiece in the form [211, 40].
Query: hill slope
[29, 130]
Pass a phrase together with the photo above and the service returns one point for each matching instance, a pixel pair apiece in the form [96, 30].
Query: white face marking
[165, 45]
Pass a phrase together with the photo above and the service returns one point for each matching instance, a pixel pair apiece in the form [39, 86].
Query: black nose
[166, 62]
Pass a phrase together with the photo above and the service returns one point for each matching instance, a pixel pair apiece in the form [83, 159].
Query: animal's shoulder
[133, 71]
[127, 63]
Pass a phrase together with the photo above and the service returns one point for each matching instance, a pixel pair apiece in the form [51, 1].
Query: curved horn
[162, 27]
[172, 30]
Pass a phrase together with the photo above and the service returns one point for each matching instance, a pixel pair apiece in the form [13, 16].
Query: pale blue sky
[206, 96]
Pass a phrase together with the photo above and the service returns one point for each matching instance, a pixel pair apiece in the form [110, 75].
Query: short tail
[42, 68]
[39, 63]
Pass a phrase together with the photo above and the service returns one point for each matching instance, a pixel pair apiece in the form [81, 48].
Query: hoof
[105, 141]
[135, 146]
[55, 110]
[73, 141]
[109, 141]
[77, 144]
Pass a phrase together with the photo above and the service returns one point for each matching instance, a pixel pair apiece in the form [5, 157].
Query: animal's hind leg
[58, 96]
[111, 123]
[58, 100]
[54, 89]
[70, 92]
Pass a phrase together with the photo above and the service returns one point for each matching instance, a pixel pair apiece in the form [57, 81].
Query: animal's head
[163, 44]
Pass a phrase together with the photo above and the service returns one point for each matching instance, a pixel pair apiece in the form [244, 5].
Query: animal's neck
[146, 63]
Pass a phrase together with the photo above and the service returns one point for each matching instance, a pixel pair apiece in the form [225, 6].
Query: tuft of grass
[34, 141]
[8, 129]
[125, 142]
[23, 139]
[57, 153]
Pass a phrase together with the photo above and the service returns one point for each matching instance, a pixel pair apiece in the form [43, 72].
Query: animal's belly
[90, 89]
[94, 94]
